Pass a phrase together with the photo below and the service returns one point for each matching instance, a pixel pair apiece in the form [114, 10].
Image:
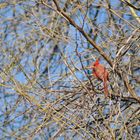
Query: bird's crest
[96, 62]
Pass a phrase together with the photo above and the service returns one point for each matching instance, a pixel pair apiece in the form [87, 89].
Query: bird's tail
[105, 87]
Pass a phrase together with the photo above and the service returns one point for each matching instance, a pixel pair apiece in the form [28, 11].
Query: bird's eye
[94, 69]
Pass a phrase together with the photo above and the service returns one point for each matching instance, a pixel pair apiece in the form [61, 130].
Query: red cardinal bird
[100, 72]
